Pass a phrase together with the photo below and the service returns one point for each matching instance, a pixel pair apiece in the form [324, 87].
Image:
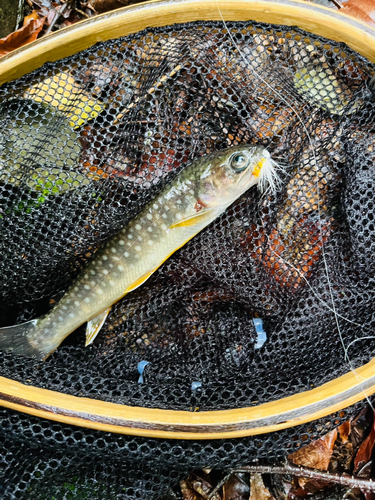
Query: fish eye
[239, 162]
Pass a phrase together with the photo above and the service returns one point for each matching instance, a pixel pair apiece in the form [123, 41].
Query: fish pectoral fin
[94, 326]
[193, 219]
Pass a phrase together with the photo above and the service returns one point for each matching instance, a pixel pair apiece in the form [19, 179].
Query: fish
[201, 192]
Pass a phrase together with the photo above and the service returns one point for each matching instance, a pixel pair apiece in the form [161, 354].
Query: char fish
[197, 196]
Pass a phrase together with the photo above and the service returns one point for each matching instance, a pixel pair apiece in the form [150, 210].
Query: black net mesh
[88, 141]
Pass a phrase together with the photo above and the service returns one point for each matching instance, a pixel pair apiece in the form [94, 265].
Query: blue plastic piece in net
[196, 385]
[262, 336]
[141, 368]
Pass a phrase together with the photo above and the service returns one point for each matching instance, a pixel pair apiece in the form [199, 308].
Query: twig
[58, 13]
[352, 482]
[82, 13]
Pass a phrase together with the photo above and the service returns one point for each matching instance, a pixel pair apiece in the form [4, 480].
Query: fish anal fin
[193, 219]
[138, 282]
[94, 326]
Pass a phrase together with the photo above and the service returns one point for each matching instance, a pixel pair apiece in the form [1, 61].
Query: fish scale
[197, 196]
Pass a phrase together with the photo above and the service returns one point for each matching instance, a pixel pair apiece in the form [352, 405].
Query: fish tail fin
[19, 340]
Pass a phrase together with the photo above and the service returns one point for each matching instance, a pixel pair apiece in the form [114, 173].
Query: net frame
[285, 413]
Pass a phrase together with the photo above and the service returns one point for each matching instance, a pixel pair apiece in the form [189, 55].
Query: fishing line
[333, 309]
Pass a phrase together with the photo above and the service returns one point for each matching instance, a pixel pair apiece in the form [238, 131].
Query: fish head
[232, 171]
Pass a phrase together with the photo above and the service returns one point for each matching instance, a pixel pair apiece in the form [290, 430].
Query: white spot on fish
[149, 229]
[150, 242]
[86, 287]
[138, 248]
[139, 238]
[86, 276]
[113, 250]
[164, 227]
[164, 216]
[120, 268]
[130, 236]
[64, 308]
[71, 315]
[61, 318]
[178, 202]
[156, 206]
[112, 283]
[105, 257]
[126, 254]
[149, 216]
[76, 288]
[92, 272]
[138, 227]
[121, 242]
[76, 303]
[99, 291]
[87, 299]
[105, 271]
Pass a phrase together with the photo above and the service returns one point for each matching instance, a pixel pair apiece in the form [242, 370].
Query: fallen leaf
[237, 487]
[344, 431]
[23, 36]
[361, 9]
[365, 450]
[361, 427]
[317, 454]
[106, 5]
[33, 15]
[258, 490]
[187, 491]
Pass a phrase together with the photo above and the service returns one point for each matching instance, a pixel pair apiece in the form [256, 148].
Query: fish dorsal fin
[94, 326]
[193, 219]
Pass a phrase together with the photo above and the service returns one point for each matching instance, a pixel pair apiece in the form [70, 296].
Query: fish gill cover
[88, 141]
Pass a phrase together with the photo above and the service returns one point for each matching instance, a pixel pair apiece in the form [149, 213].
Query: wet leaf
[361, 9]
[23, 36]
[360, 427]
[344, 431]
[317, 454]
[365, 450]
[237, 487]
[188, 492]
[106, 5]
[258, 490]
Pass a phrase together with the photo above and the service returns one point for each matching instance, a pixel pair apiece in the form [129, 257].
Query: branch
[350, 481]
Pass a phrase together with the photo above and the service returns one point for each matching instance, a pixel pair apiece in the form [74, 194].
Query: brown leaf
[237, 487]
[361, 427]
[106, 5]
[258, 490]
[33, 15]
[365, 450]
[317, 454]
[187, 491]
[344, 431]
[361, 9]
[24, 35]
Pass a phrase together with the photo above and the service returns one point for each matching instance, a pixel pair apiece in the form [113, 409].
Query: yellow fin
[191, 220]
[139, 281]
[94, 326]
